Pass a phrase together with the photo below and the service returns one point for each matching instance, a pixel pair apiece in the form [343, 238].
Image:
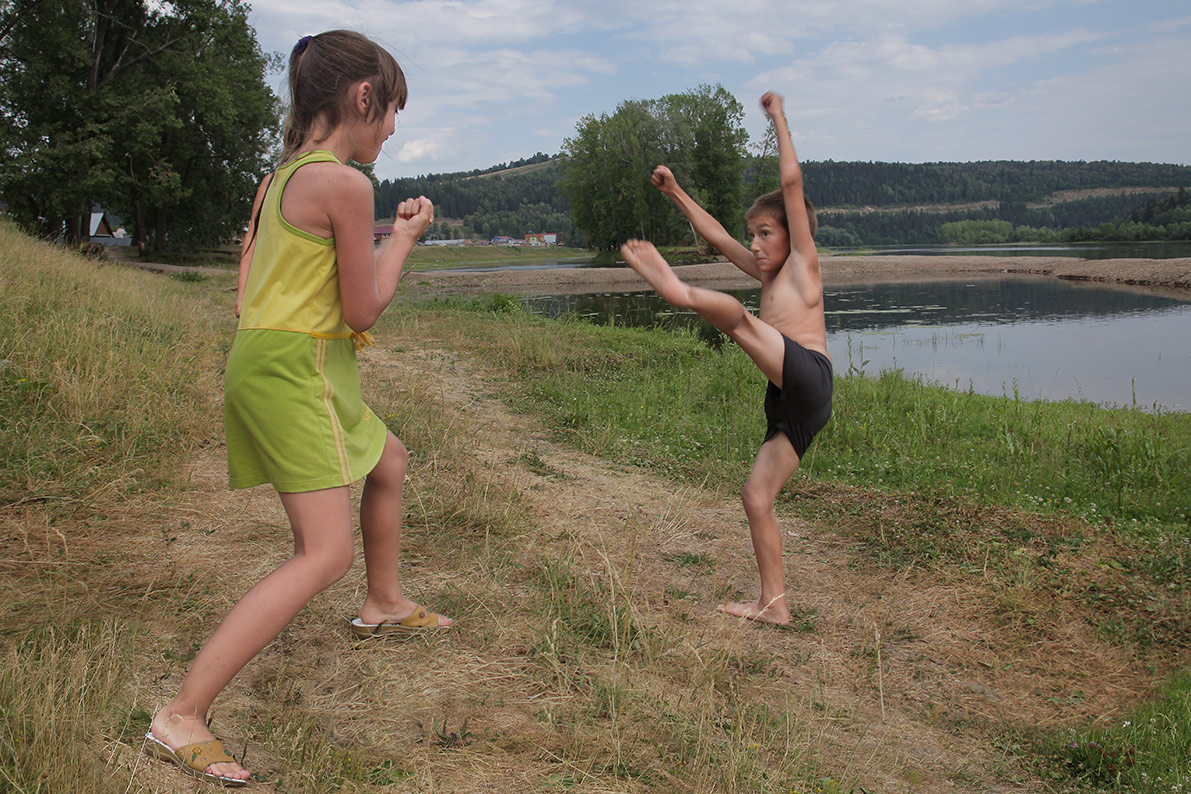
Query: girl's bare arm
[368, 278]
[249, 246]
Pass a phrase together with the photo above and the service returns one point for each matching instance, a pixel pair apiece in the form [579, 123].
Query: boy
[788, 343]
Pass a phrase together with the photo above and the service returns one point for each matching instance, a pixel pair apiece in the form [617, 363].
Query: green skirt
[294, 414]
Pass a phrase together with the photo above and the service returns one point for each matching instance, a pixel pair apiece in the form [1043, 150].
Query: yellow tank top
[293, 282]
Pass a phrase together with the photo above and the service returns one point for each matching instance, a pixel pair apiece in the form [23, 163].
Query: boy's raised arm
[802, 244]
[706, 226]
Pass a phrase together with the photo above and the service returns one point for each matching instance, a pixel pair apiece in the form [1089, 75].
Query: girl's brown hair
[321, 70]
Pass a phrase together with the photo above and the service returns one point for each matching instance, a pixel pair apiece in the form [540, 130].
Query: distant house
[382, 232]
[541, 238]
[106, 229]
[509, 241]
[461, 241]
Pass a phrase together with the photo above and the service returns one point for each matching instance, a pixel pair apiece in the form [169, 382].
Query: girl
[310, 286]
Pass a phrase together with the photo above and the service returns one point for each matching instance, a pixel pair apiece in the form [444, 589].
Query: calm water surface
[1149, 249]
[1141, 250]
[1037, 337]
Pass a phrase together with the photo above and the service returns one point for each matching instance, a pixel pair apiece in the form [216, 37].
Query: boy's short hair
[775, 205]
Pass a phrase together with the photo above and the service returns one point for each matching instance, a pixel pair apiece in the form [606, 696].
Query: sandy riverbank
[1170, 274]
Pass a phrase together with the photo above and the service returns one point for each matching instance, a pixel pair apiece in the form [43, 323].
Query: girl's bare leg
[380, 525]
[775, 464]
[323, 553]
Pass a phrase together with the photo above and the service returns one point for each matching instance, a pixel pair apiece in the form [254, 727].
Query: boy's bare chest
[783, 307]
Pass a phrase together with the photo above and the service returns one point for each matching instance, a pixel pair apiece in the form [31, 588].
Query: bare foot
[374, 614]
[646, 260]
[774, 613]
[178, 731]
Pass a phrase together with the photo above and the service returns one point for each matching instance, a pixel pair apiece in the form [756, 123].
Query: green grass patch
[668, 401]
[1147, 752]
[1120, 466]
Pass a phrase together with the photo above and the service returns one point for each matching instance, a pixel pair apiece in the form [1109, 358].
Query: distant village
[107, 229]
[382, 232]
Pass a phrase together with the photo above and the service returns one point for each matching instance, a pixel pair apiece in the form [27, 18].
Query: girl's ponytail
[321, 70]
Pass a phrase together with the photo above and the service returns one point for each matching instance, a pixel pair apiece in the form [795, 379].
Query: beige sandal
[420, 621]
[194, 759]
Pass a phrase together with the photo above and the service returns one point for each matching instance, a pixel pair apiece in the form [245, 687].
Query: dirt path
[899, 681]
[901, 674]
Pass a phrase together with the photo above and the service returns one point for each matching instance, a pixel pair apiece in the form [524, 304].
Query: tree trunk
[159, 234]
[138, 227]
[78, 226]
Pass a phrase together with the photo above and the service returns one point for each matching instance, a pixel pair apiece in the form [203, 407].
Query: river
[1030, 337]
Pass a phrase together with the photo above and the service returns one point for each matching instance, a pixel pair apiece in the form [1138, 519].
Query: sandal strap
[420, 618]
[200, 755]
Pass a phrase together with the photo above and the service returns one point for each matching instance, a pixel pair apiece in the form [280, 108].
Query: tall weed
[105, 373]
[62, 704]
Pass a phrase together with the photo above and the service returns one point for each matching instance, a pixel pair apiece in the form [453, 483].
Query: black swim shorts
[802, 407]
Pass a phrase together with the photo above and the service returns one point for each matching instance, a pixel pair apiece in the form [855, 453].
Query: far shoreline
[1171, 276]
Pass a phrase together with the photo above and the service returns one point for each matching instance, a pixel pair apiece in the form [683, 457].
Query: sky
[492, 81]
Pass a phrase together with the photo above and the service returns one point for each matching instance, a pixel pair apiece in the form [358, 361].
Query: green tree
[763, 174]
[716, 159]
[608, 162]
[156, 110]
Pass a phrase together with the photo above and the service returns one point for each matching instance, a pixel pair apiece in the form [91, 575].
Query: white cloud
[1124, 109]
[493, 80]
[892, 75]
[420, 149]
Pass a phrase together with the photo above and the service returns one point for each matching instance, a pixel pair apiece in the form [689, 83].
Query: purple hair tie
[300, 47]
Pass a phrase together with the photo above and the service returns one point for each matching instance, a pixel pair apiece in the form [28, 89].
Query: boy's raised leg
[763, 343]
[652, 266]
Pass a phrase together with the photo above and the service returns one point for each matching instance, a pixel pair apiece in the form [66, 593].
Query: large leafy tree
[698, 134]
[159, 111]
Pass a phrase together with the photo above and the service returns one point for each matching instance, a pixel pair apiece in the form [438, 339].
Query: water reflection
[1165, 249]
[1036, 337]
[997, 300]
[543, 264]
[1147, 249]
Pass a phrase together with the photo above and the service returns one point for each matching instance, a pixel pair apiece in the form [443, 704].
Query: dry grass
[105, 373]
[587, 656]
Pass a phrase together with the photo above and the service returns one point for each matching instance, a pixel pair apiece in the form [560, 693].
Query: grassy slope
[108, 379]
[110, 386]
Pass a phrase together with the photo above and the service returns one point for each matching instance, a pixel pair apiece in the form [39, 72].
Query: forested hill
[914, 200]
[509, 199]
[858, 184]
